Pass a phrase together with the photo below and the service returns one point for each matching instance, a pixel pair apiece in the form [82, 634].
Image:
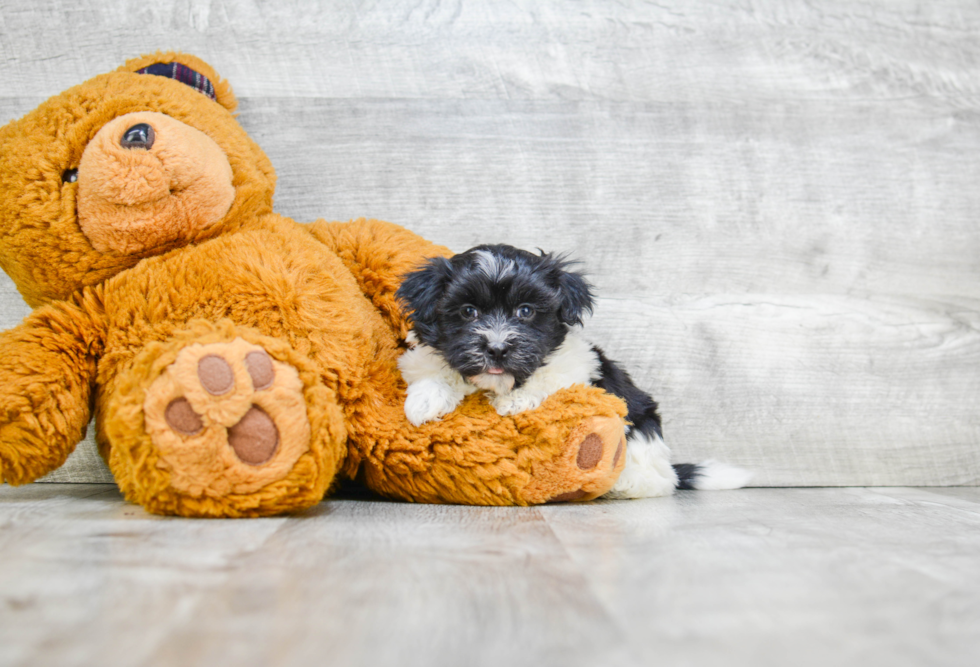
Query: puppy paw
[516, 402]
[428, 400]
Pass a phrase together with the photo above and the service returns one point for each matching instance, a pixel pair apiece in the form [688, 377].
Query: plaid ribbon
[184, 74]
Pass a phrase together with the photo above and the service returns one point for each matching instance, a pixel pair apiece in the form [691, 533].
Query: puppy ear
[420, 293]
[574, 292]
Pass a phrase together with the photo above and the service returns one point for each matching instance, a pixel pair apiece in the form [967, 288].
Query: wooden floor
[828, 577]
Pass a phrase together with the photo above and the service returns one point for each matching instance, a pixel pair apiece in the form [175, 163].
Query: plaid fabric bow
[182, 73]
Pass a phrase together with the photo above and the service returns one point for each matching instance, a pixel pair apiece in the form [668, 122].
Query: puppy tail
[711, 475]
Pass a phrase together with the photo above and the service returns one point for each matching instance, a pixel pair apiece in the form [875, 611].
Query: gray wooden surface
[756, 578]
[777, 201]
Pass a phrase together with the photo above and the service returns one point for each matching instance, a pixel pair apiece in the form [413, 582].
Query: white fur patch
[573, 362]
[434, 388]
[647, 473]
[717, 476]
[496, 331]
[493, 266]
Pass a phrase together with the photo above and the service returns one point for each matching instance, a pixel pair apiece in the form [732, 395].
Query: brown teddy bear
[238, 363]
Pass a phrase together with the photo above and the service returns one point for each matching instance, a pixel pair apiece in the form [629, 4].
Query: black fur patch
[642, 409]
[687, 475]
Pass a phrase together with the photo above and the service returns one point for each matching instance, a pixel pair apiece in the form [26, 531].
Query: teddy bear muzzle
[147, 181]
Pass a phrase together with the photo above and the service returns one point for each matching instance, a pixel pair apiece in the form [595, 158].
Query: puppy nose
[497, 351]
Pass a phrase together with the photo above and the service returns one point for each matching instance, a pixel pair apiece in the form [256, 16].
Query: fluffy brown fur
[126, 315]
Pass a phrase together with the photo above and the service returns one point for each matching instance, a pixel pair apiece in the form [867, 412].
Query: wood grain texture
[761, 53]
[819, 390]
[821, 197]
[804, 576]
[777, 202]
[760, 577]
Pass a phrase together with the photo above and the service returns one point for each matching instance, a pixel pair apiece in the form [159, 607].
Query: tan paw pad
[590, 452]
[569, 496]
[215, 374]
[255, 438]
[182, 418]
[260, 369]
[619, 451]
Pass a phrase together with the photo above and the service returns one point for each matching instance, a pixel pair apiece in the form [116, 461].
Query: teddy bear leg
[571, 448]
[229, 428]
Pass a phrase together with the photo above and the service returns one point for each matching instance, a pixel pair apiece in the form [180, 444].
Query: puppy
[504, 320]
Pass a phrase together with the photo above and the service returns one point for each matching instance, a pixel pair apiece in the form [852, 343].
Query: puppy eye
[70, 176]
[525, 312]
[469, 312]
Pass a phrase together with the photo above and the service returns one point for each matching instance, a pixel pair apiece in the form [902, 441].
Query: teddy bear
[237, 363]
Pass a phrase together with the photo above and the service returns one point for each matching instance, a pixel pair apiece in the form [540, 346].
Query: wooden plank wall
[777, 201]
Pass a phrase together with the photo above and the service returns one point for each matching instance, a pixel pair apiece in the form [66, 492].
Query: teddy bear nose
[140, 135]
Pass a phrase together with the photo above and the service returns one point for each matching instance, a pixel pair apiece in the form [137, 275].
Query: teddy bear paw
[227, 417]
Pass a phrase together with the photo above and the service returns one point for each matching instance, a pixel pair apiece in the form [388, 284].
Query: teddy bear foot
[227, 418]
[592, 459]
[221, 421]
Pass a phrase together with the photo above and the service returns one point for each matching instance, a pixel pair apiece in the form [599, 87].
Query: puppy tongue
[495, 371]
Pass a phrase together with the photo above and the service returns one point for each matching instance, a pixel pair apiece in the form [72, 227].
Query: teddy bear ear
[187, 69]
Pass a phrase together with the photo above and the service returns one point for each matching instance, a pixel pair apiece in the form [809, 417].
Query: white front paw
[515, 402]
[428, 400]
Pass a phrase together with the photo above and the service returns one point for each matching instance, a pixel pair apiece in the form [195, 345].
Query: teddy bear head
[130, 164]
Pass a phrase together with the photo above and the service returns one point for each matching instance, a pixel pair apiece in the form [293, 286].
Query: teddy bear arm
[378, 254]
[47, 371]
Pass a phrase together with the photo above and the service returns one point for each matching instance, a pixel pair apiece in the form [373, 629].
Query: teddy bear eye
[70, 176]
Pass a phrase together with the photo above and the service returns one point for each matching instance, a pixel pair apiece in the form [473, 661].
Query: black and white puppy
[505, 320]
